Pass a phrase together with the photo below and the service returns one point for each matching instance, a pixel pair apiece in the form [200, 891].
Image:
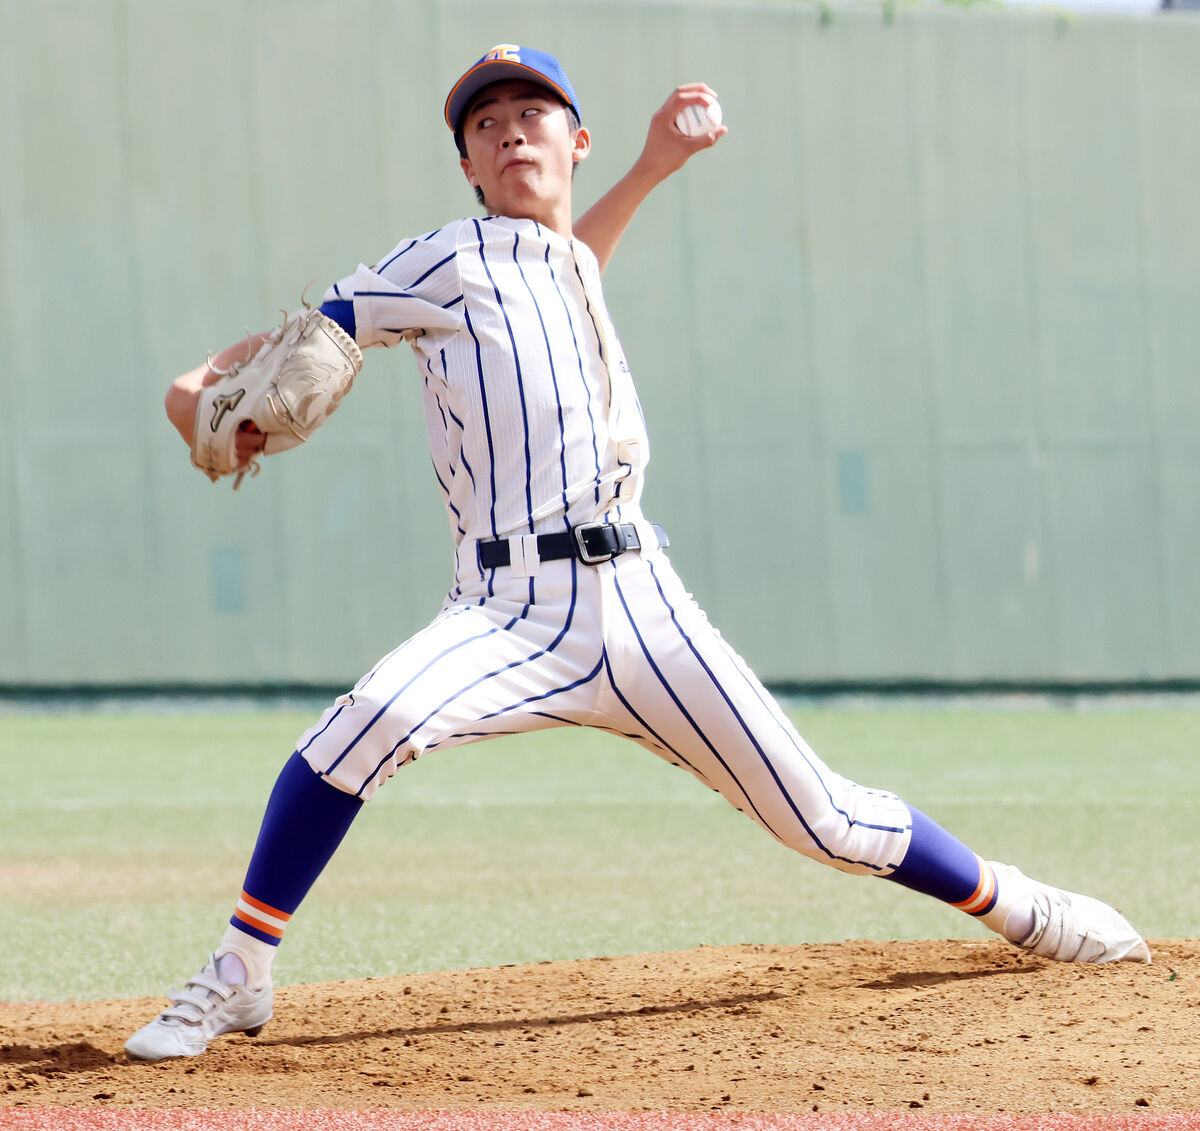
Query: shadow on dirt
[734, 1004]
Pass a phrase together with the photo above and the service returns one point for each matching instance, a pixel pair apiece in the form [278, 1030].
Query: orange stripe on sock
[266, 908]
[977, 902]
[258, 924]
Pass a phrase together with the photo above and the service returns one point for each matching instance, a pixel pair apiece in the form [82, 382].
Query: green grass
[124, 838]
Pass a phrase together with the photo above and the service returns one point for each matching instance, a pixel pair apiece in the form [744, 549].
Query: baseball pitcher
[564, 607]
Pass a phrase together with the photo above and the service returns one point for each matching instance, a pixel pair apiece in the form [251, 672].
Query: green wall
[917, 343]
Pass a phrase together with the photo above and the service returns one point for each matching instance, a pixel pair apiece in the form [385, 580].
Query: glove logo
[227, 402]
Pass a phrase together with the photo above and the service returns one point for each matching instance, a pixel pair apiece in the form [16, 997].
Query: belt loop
[523, 555]
[647, 534]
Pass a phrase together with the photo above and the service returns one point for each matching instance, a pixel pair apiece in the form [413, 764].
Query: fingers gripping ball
[287, 391]
[699, 118]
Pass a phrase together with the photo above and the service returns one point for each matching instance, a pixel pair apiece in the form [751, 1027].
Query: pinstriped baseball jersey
[532, 418]
[534, 427]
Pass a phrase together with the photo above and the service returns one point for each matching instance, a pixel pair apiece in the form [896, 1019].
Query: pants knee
[859, 831]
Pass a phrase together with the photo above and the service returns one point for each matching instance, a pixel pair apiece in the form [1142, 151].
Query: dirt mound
[944, 1026]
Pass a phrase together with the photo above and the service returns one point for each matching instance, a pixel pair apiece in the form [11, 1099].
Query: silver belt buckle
[585, 556]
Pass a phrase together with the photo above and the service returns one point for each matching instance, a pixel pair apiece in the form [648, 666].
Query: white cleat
[205, 1008]
[1069, 927]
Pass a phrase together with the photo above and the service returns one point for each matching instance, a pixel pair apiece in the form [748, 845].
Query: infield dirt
[942, 1026]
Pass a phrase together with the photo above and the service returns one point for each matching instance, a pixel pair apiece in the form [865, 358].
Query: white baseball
[699, 118]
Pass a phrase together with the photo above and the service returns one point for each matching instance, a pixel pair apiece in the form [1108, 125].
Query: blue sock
[940, 865]
[305, 821]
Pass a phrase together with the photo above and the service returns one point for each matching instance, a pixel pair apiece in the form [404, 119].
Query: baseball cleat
[205, 1008]
[1069, 927]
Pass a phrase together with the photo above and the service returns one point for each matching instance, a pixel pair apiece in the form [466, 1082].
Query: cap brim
[488, 72]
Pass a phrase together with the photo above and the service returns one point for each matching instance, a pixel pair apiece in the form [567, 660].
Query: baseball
[698, 119]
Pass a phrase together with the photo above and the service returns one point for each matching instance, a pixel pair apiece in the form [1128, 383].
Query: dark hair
[460, 142]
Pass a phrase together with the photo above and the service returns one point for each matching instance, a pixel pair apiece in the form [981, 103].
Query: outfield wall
[917, 343]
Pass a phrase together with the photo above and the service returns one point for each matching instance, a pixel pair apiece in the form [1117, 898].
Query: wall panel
[916, 344]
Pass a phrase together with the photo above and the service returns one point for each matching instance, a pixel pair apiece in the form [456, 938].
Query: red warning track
[83, 1119]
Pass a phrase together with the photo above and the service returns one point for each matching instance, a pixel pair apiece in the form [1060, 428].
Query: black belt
[591, 543]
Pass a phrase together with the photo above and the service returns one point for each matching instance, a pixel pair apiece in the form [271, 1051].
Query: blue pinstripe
[516, 359]
[487, 423]
[746, 730]
[541, 697]
[850, 821]
[600, 346]
[558, 401]
[649, 731]
[396, 695]
[674, 697]
[407, 248]
[477, 682]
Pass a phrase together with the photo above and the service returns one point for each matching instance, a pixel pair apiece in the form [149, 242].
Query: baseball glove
[286, 391]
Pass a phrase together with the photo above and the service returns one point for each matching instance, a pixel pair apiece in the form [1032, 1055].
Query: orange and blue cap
[508, 61]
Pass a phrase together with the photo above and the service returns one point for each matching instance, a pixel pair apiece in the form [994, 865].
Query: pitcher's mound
[945, 1026]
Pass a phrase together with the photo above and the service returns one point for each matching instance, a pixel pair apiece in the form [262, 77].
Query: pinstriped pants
[621, 646]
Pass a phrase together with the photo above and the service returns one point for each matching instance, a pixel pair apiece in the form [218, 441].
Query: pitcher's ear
[581, 144]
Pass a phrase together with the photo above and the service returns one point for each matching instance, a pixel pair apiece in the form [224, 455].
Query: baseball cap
[508, 61]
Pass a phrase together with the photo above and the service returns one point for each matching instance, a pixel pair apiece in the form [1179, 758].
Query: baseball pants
[620, 646]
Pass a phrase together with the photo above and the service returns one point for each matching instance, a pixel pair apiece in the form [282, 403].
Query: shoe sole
[182, 1055]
